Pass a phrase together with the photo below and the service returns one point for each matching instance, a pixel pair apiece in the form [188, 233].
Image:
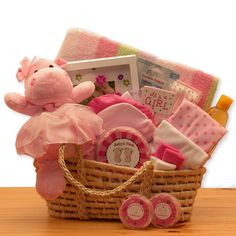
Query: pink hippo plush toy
[57, 118]
[47, 87]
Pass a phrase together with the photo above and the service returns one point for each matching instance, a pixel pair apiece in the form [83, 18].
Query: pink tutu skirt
[71, 123]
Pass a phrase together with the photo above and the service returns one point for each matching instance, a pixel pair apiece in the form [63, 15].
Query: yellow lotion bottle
[220, 111]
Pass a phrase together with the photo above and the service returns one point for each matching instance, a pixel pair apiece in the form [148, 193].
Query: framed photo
[110, 75]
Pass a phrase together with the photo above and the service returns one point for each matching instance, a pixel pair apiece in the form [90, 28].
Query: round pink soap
[123, 146]
[167, 210]
[136, 212]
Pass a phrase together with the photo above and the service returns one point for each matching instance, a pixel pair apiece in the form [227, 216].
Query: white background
[201, 34]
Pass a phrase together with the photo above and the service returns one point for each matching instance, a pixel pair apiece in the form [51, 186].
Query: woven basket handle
[146, 171]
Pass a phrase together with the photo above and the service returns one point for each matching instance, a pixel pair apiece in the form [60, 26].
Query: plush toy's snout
[48, 76]
[48, 85]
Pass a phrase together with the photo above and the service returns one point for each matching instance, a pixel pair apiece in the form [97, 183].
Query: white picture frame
[120, 73]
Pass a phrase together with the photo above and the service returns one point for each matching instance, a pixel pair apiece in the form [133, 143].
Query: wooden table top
[23, 212]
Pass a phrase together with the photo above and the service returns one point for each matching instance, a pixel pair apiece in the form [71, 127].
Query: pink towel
[81, 45]
[197, 125]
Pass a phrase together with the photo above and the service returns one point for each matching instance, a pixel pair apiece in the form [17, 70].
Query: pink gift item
[197, 125]
[167, 210]
[80, 45]
[50, 98]
[173, 157]
[124, 114]
[161, 102]
[100, 103]
[123, 146]
[136, 212]
[161, 149]
[195, 157]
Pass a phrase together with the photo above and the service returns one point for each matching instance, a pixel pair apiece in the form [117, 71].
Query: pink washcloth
[197, 125]
[173, 157]
[80, 45]
[161, 149]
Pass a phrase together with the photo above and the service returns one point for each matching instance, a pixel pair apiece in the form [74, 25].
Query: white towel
[161, 165]
[195, 157]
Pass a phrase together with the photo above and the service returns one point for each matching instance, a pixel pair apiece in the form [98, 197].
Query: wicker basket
[96, 190]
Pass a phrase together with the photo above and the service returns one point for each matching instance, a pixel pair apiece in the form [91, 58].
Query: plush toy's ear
[60, 62]
[24, 70]
[19, 75]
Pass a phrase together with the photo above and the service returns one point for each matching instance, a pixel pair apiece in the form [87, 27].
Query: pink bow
[23, 72]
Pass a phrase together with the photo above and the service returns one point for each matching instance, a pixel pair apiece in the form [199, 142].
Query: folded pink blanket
[81, 45]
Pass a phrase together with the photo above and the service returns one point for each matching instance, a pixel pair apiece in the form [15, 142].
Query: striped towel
[81, 45]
